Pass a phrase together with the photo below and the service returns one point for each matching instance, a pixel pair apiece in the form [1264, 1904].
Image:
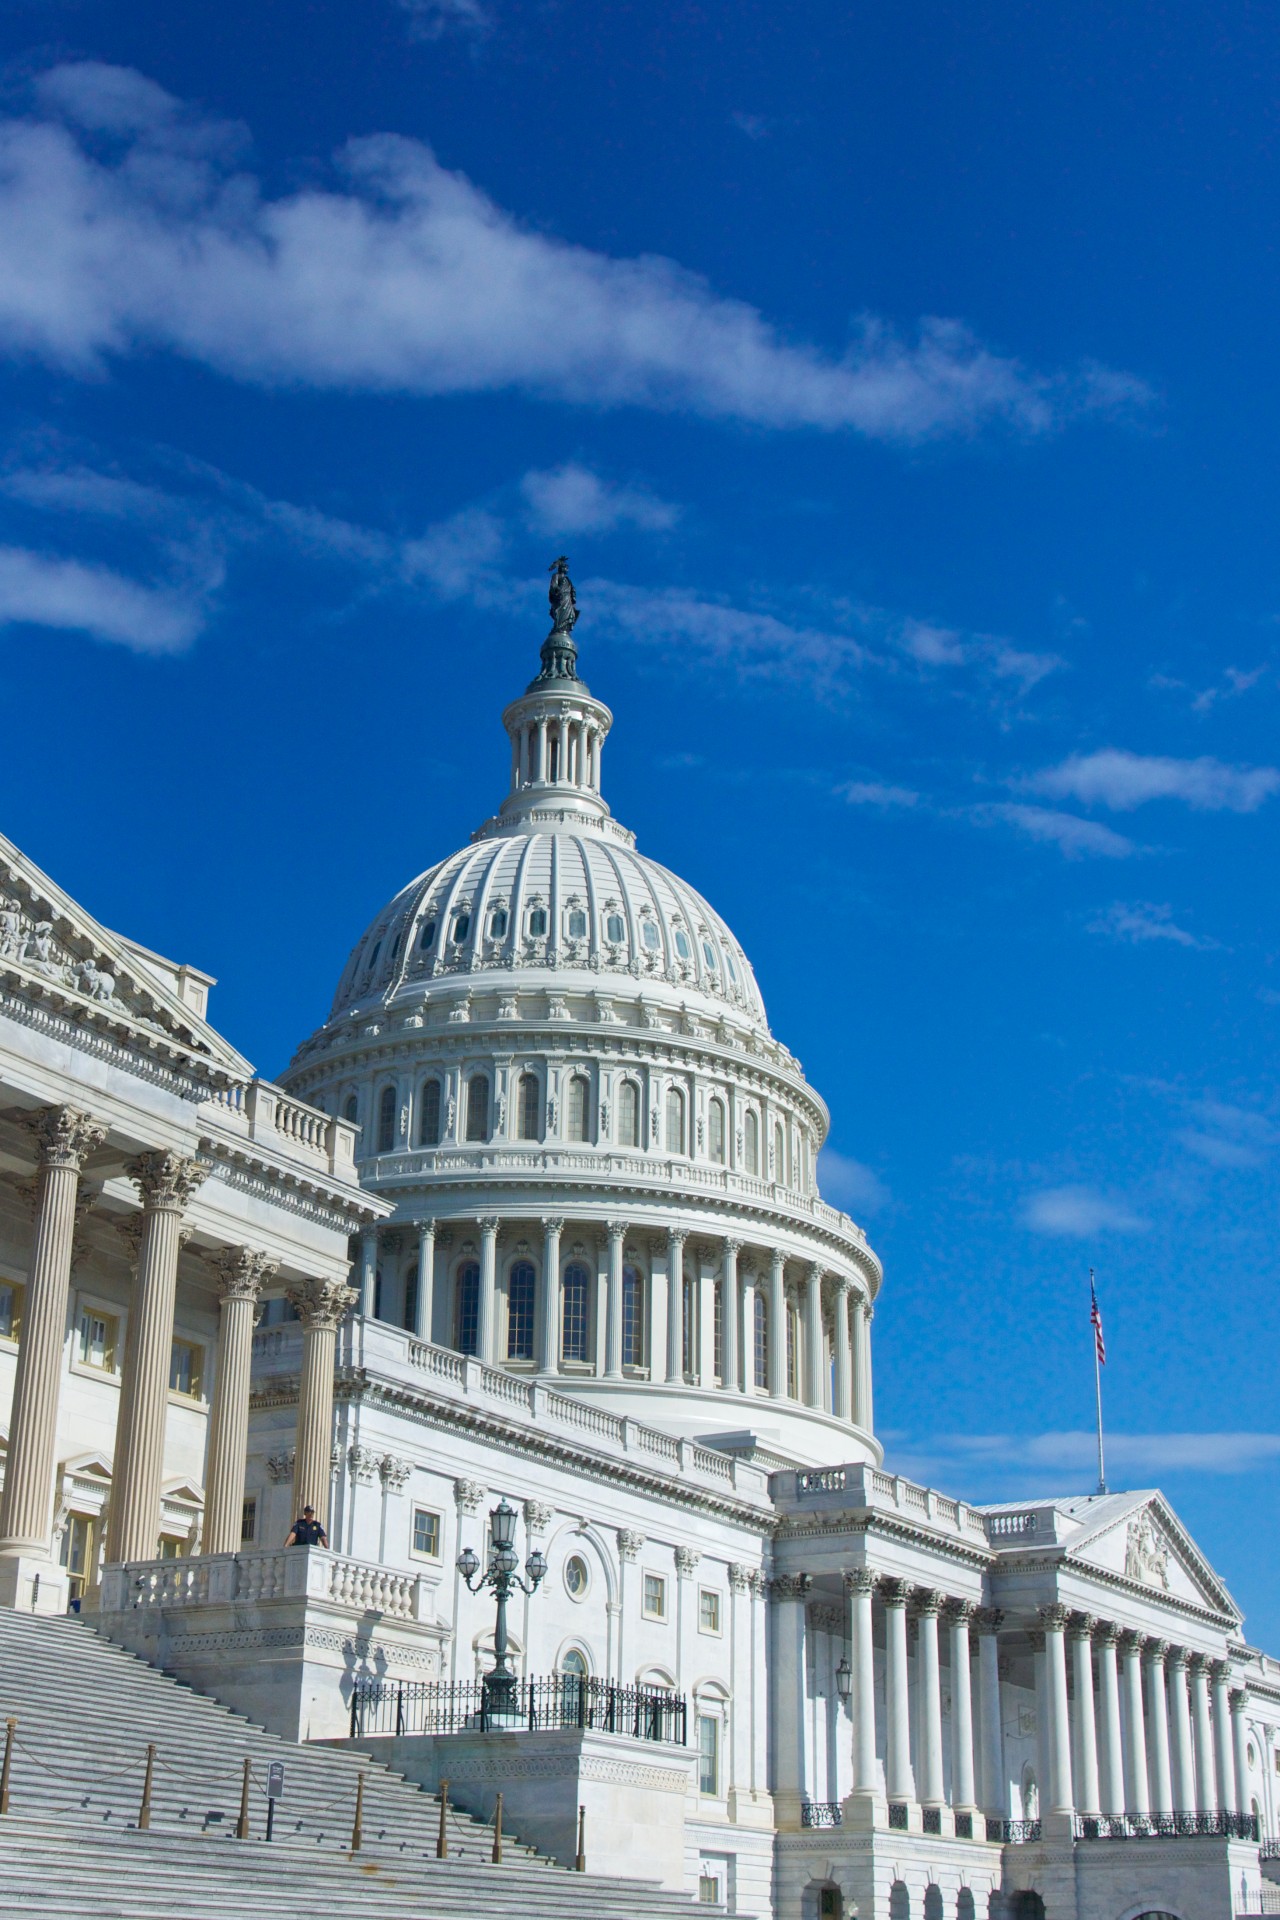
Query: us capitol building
[531, 1227]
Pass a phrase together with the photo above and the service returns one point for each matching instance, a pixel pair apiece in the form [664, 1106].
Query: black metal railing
[1269, 1850]
[931, 1819]
[820, 1813]
[898, 1815]
[964, 1826]
[1013, 1833]
[1172, 1826]
[563, 1700]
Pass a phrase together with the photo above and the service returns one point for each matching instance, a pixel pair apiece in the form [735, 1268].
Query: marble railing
[263, 1112]
[860, 1485]
[263, 1574]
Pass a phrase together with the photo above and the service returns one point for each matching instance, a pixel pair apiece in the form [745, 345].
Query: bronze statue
[564, 602]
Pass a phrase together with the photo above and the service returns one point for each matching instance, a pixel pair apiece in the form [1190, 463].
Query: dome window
[537, 923]
[478, 1107]
[577, 924]
[751, 1136]
[387, 1120]
[650, 935]
[715, 1127]
[373, 957]
[574, 1296]
[579, 1109]
[351, 1111]
[614, 928]
[628, 1114]
[429, 1115]
[498, 924]
[521, 1284]
[709, 954]
[675, 1120]
[530, 1108]
[427, 937]
[733, 971]
[461, 928]
[683, 949]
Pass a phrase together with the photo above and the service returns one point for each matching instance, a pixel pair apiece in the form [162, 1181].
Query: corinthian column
[1054, 1619]
[1112, 1755]
[813, 1394]
[1087, 1794]
[613, 1303]
[549, 1324]
[898, 1780]
[777, 1324]
[1158, 1709]
[928, 1606]
[675, 1306]
[995, 1790]
[487, 1304]
[1238, 1700]
[424, 1300]
[1222, 1739]
[243, 1272]
[65, 1138]
[1206, 1798]
[843, 1408]
[859, 1584]
[321, 1305]
[959, 1614]
[166, 1182]
[730, 1318]
[1136, 1783]
[1184, 1781]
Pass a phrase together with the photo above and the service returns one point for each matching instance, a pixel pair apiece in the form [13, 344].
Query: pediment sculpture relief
[32, 943]
[1146, 1557]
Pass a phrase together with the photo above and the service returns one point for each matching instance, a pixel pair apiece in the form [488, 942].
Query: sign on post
[275, 1780]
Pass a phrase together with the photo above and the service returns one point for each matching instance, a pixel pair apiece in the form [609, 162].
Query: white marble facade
[547, 1148]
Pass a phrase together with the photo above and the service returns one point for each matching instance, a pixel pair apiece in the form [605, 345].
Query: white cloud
[39, 590]
[1224, 1134]
[1075, 838]
[934, 646]
[1078, 1213]
[1120, 780]
[1142, 920]
[849, 1184]
[1057, 1463]
[873, 793]
[573, 499]
[431, 19]
[406, 277]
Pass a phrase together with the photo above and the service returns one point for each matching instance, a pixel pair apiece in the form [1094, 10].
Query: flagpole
[1097, 1388]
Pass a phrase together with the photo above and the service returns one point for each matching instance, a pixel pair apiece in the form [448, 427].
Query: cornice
[1117, 1581]
[190, 1079]
[873, 1522]
[288, 1186]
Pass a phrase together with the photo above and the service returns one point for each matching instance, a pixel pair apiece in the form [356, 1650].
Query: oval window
[614, 929]
[428, 934]
[683, 948]
[708, 953]
[498, 924]
[538, 922]
[577, 924]
[461, 928]
[576, 1577]
[649, 934]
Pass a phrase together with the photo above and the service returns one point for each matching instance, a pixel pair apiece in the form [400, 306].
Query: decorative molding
[166, 1181]
[321, 1304]
[630, 1543]
[790, 1586]
[687, 1559]
[468, 1495]
[244, 1272]
[394, 1472]
[537, 1516]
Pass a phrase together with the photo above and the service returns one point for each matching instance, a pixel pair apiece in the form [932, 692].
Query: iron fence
[1173, 1826]
[820, 1813]
[1013, 1833]
[535, 1706]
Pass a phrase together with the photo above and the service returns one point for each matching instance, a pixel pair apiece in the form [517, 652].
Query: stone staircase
[85, 1712]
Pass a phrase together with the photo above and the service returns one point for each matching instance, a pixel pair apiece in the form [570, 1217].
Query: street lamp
[498, 1687]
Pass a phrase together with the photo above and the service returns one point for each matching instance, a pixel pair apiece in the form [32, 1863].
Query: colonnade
[701, 1300]
[1128, 1725]
[166, 1183]
[576, 742]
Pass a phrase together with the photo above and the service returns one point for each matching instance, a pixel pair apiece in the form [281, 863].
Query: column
[777, 1324]
[749, 1287]
[1136, 1786]
[613, 1303]
[1227, 1799]
[549, 1324]
[243, 1273]
[928, 1607]
[542, 749]
[1238, 1700]
[487, 1314]
[868, 1315]
[1053, 1620]
[859, 1584]
[64, 1138]
[1184, 1779]
[166, 1182]
[424, 1304]
[812, 1387]
[1087, 1795]
[1206, 1800]
[843, 1408]
[898, 1779]
[321, 1305]
[858, 1363]
[1158, 1712]
[1111, 1784]
[959, 1614]
[730, 1318]
[995, 1791]
[788, 1595]
[369, 1265]
[675, 1306]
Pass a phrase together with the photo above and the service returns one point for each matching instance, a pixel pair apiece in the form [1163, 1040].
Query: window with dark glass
[577, 924]
[520, 1292]
[529, 1116]
[715, 1130]
[751, 1141]
[386, 1120]
[537, 922]
[615, 928]
[675, 1120]
[373, 957]
[429, 1114]
[478, 1107]
[632, 1317]
[709, 954]
[628, 1114]
[683, 949]
[351, 1111]
[428, 934]
[411, 1300]
[467, 1312]
[574, 1295]
[761, 1340]
[461, 928]
[579, 1109]
[498, 924]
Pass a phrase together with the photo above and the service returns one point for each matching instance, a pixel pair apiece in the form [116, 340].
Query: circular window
[576, 1577]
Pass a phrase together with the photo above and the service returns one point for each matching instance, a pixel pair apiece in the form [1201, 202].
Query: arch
[633, 1316]
[965, 1909]
[933, 1901]
[521, 1291]
[575, 1311]
[386, 1119]
[899, 1901]
[751, 1140]
[529, 1108]
[429, 1108]
[1027, 1905]
[466, 1308]
[578, 1108]
[760, 1346]
[574, 1661]
[675, 1121]
[572, 1536]
[715, 1130]
[628, 1114]
[656, 1677]
[478, 1107]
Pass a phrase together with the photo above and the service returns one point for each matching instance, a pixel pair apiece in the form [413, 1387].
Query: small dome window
[649, 934]
[351, 1111]
[395, 944]
[373, 957]
[709, 954]
[614, 928]
[683, 948]
[577, 924]
[733, 971]
[537, 922]
[427, 937]
[498, 924]
[461, 928]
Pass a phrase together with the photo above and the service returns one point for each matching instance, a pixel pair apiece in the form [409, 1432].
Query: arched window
[520, 1291]
[899, 1901]
[429, 1114]
[529, 1116]
[351, 1111]
[478, 1107]
[675, 1120]
[779, 1156]
[683, 948]
[628, 1114]
[761, 1331]
[579, 1108]
[574, 1297]
[387, 1120]
[467, 1309]
[793, 1351]
[615, 929]
[1028, 1905]
[933, 1902]
[965, 1909]
[537, 922]
[632, 1317]
[688, 1326]
[751, 1140]
[498, 924]
[715, 1130]
[427, 937]
[576, 924]
[411, 1301]
[575, 1662]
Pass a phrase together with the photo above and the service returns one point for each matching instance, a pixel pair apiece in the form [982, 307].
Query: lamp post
[844, 1679]
[498, 1688]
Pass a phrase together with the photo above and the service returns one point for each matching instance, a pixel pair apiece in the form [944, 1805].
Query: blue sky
[900, 381]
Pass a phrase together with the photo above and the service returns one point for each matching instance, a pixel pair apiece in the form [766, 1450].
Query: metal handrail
[537, 1705]
[1172, 1826]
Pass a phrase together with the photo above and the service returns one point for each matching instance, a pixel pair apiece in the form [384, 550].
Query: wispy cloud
[44, 590]
[1076, 839]
[1079, 1213]
[1224, 1134]
[406, 277]
[875, 793]
[1234, 682]
[1010, 1465]
[849, 1183]
[1138, 921]
[1122, 781]
[937, 646]
[432, 19]
[574, 499]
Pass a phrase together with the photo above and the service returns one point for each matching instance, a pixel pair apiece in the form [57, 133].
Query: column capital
[1081, 1626]
[732, 1247]
[426, 1226]
[1238, 1700]
[1199, 1663]
[629, 1543]
[687, 1559]
[926, 1603]
[550, 1224]
[1178, 1658]
[65, 1137]
[244, 1271]
[467, 1495]
[1219, 1672]
[790, 1586]
[1108, 1634]
[814, 1271]
[167, 1181]
[1154, 1651]
[859, 1580]
[489, 1223]
[988, 1619]
[1053, 1618]
[739, 1577]
[616, 1229]
[321, 1303]
[961, 1612]
[1131, 1641]
[894, 1591]
[777, 1259]
[538, 1515]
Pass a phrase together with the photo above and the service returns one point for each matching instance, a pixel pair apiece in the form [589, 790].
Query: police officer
[307, 1532]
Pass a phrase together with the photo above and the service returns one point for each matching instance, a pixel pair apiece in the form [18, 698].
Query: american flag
[1095, 1319]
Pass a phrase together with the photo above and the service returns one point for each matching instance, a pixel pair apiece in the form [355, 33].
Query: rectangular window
[573, 1339]
[186, 1364]
[99, 1334]
[172, 1548]
[708, 1611]
[78, 1552]
[708, 1890]
[655, 1597]
[717, 1322]
[632, 1317]
[248, 1520]
[426, 1533]
[708, 1754]
[521, 1286]
[11, 1297]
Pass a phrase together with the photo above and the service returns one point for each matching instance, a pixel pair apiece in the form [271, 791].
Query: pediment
[88, 1466]
[51, 949]
[1148, 1545]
